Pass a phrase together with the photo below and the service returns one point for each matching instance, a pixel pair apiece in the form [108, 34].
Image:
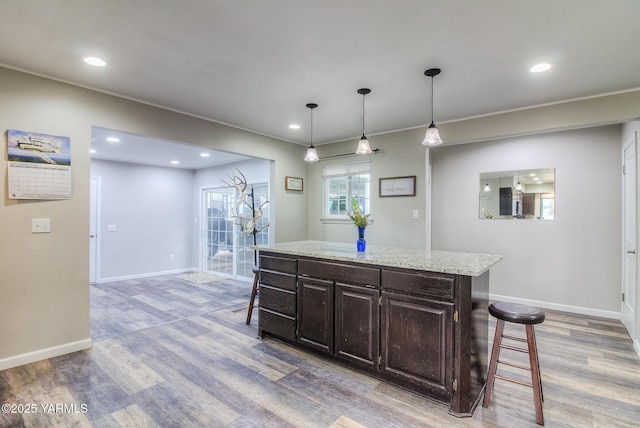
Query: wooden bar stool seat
[528, 316]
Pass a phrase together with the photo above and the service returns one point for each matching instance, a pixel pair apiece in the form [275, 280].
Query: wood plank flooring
[171, 353]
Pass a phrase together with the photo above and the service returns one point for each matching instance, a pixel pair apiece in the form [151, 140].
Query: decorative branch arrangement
[247, 223]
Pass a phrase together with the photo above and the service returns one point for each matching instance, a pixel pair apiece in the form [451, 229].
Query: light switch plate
[40, 225]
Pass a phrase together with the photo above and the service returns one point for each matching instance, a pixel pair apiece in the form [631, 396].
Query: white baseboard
[636, 346]
[558, 307]
[170, 272]
[43, 354]
[146, 275]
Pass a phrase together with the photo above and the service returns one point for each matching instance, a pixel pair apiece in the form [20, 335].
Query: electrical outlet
[172, 257]
[415, 214]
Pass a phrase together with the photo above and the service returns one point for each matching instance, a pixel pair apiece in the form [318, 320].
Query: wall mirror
[522, 194]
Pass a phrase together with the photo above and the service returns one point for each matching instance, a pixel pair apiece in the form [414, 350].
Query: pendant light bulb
[518, 184]
[312, 154]
[363, 145]
[487, 188]
[432, 137]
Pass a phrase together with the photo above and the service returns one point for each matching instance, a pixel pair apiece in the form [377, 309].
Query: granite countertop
[471, 264]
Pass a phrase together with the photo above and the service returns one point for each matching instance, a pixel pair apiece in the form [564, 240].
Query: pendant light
[312, 155]
[363, 145]
[518, 184]
[432, 137]
[487, 188]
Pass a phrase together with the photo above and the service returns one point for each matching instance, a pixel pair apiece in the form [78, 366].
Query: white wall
[401, 154]
[152, 211]
[573, 260]
[44, 279]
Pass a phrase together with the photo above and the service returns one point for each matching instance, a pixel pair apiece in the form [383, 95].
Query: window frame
[344, 171]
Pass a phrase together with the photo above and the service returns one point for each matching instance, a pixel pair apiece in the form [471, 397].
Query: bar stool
[254, 291]
[528, 316]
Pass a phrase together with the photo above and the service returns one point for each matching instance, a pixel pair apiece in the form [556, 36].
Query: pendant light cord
[431, 99]
[363, 95]
[311, 129]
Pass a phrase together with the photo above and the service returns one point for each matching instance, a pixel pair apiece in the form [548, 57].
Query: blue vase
[361, 244]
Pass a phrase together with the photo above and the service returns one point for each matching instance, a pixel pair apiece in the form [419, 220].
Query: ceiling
[254, 64]
[119, 146]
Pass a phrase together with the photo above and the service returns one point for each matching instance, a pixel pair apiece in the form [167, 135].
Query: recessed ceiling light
[205, 155]
[113, 139]
[532, 174]
[294, 126]
[538, 68]
[175, 162]
[96, 62]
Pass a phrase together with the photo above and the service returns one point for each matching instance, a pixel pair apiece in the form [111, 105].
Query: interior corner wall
[150, 212]
[44, 309]
[573, 261]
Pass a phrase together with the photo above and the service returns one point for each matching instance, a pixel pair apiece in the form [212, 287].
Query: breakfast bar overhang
[413, 317]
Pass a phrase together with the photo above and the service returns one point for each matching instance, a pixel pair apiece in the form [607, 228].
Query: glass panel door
[246, 256]
[226, 249]
[219, 230]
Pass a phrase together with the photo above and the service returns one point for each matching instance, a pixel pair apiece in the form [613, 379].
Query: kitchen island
[412, 317]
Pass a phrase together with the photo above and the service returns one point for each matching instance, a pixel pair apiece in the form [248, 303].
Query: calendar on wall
[39, 165]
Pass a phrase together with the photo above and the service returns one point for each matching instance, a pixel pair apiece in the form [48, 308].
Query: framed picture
[398, 186]
[293, 183]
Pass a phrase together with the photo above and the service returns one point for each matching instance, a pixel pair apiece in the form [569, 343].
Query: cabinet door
[357, 325]
[315, 313]
[416, 342]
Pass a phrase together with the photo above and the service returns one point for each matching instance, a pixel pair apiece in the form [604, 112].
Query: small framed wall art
[293, 183]
[398, 186]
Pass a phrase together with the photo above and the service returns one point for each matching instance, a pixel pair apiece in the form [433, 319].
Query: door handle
[631, 251]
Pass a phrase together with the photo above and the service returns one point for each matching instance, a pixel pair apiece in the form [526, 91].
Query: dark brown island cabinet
[415, 318]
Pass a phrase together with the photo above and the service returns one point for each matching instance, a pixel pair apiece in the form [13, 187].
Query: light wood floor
[171, 353]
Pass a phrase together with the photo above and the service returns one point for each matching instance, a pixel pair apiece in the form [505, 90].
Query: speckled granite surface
[411, 258]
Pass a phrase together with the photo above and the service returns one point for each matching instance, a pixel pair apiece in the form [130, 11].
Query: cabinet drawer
[278, 300]
[339, 272]
[277, 324]
[274, 279]
[433, 285]
[278, 263]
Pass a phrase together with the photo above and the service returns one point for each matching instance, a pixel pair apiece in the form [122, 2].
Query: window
[342, 182]
[547, 206]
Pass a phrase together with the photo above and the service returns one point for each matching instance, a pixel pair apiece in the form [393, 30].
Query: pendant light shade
[432, 137]
[312, 155]
[487, 188]
[363, 145]
[518, 184]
